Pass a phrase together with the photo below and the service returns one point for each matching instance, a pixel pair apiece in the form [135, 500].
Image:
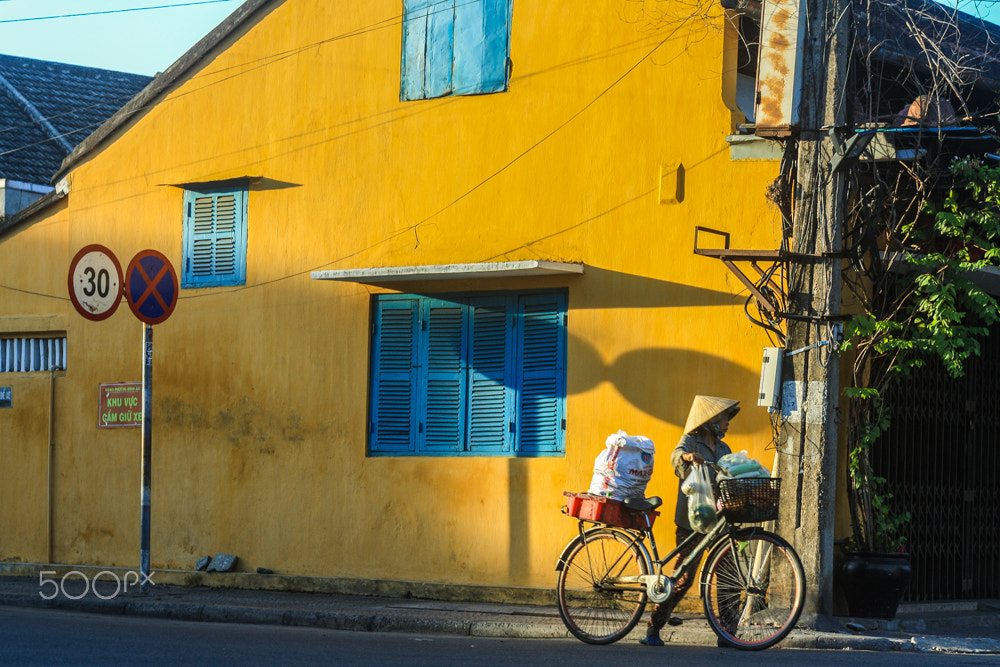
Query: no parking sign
[151, 286]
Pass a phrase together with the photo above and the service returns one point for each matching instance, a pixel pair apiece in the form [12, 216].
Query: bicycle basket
[749, 500]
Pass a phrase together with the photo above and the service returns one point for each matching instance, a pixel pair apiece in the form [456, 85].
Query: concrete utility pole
[810, 383]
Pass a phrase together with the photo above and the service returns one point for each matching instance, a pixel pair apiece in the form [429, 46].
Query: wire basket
[749, 500]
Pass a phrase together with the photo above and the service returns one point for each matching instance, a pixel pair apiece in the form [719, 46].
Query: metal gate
[941, 464]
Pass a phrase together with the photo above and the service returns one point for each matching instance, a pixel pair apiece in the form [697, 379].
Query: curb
[443, 623]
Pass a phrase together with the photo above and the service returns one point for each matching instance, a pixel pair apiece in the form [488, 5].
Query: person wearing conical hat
[706, 425]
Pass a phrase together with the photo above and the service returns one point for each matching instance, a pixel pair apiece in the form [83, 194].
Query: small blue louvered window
[454, 47]
[469, 375]
[215, 238]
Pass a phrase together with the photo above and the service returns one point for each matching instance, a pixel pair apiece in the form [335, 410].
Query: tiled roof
[245, 15]
[925, 34]
[47, 108]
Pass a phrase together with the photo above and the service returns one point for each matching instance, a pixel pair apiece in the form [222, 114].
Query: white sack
[623, 469]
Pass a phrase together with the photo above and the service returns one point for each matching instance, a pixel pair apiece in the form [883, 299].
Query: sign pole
[147, 450]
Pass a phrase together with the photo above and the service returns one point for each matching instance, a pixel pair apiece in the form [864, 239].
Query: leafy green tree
[931, 308]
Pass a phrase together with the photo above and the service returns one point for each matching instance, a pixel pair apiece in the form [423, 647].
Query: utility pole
[810, 383]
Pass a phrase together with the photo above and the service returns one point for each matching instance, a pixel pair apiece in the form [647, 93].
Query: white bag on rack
[623, 469]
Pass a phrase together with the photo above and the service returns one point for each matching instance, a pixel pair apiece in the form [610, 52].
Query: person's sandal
[651, 640]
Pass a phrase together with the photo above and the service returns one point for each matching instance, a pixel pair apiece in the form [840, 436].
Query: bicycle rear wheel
[753, 588]
[599, 594]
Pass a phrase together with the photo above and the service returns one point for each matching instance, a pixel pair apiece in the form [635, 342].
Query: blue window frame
[454, 47]
[215, 237]
[469, 375]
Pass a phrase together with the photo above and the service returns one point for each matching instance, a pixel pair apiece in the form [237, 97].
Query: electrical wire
[413, 227]
[112, 11]
[251, 66]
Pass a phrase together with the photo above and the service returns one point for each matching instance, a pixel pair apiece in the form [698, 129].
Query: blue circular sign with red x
[151, 286]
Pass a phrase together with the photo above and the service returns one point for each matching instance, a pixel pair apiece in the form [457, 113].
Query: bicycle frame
[654, 563]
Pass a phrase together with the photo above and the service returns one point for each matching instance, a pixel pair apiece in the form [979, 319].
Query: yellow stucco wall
[260, 394]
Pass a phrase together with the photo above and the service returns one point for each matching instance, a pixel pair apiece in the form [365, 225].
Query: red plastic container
[605, 510]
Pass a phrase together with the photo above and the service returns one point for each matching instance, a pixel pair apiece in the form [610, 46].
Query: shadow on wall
[659, 381]
[627, 290]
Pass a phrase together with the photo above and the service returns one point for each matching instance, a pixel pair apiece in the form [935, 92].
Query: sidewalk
[950, 629]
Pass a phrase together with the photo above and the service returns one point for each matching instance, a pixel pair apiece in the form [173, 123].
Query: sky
[137, 36]
[147, 36]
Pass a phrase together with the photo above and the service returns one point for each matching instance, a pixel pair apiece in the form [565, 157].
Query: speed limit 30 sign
[95, 282]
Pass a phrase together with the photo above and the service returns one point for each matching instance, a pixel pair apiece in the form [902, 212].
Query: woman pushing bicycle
[706, 425]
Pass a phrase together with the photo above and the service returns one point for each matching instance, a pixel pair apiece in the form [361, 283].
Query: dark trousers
[661, 612]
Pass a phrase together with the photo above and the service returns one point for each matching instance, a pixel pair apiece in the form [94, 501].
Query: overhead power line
[111, 11]
[243, 67]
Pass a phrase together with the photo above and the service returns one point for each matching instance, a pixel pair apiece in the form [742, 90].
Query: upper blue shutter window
[454, 47]
[469, 375]
[215, 238]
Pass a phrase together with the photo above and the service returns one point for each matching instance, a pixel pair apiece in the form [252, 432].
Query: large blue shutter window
[540, 383]
[458, 47]
[444, 376]
[490, 401]
[214, 242]
[394, 378]
[469, 375]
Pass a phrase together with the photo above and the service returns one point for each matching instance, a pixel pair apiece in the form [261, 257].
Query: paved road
[55, 637]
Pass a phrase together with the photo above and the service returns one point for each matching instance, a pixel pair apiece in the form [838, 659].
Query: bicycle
[752, 582]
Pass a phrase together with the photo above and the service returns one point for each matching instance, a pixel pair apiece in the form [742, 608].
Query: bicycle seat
[643, 504]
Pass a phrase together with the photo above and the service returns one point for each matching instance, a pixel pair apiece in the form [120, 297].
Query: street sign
[119, 405]
[95, 282]
[151, 286]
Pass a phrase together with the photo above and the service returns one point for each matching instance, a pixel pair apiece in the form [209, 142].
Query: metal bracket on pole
[768, 276]
[808, 347]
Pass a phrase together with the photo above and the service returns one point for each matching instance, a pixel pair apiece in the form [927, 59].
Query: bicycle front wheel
[599, 593]
[753, 588]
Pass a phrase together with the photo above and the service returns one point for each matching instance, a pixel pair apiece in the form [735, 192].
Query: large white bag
[623, 469]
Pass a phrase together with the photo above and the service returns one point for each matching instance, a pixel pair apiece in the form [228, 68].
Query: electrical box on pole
[769, 395]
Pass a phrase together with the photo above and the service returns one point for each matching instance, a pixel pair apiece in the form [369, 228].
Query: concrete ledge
[304, 584]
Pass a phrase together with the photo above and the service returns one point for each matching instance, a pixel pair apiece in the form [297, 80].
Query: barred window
[26, 355]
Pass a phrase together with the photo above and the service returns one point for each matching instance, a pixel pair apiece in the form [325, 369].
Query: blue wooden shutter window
[541, 374]
[454, 47]
[491, 375]
[481, 375]
[215, 233]
[443, 385]
[481, 38]
[394, 377]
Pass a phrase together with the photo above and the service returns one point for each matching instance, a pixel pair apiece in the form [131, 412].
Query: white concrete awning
[451, 271]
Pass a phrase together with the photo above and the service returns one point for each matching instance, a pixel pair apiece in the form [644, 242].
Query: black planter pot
[874, 583]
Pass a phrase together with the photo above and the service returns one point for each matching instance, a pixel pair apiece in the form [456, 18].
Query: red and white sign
[95, 282]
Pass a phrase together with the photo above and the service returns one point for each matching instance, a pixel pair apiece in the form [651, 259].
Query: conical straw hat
[705, 408]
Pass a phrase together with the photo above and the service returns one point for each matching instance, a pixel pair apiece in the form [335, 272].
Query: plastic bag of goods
[623, 469]
[740, 466]
[702, 514]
